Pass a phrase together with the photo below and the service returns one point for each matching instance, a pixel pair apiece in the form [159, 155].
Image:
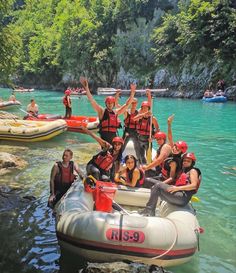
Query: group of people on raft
[171, 176]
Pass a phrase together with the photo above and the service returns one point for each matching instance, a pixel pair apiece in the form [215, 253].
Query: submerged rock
[121, 267]
[10, 198]
[8, 162]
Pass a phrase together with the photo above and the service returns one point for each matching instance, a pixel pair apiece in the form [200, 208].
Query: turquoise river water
[27, 234]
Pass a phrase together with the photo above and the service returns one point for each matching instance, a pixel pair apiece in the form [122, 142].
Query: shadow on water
[70, 263]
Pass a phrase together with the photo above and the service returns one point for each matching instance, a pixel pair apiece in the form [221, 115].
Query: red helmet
[145, 103]
[182, 146]
[110, 99]
[67, 92]
[160, 135]
[191, 156]
[118, 139]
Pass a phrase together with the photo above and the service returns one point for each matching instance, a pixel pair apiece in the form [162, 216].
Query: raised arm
[149, 96]
[102, 142]
[99, 109]
[124, 107]
[170, 136]
[117, 96]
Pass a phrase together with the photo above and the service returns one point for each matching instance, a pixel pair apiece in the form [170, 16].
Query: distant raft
[74, 123]
[215, 99]
[23, 90]
[30, 131]
[9, 104]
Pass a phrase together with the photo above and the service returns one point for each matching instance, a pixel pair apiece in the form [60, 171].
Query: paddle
[195, 199]
[27, 113]
[149, 151]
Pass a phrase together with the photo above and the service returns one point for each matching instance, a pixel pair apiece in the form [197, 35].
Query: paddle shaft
[149, 151]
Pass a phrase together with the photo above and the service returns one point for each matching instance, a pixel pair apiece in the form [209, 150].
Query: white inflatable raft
[9, 104]
[30, 131]
[165, 240]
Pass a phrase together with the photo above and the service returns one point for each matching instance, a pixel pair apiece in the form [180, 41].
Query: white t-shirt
[33, 109]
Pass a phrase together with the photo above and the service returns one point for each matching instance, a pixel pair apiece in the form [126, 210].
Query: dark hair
[69, 151]
[31, 100]
[131, 157]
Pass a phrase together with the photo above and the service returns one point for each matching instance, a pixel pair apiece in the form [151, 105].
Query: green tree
[9, 43]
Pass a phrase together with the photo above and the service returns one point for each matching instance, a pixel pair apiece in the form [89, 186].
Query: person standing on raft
[67, 103]
[108, 116]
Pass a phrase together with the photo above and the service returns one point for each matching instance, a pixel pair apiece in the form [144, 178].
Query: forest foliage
[58, 40]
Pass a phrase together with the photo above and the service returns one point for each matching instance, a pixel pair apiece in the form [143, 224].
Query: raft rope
[172, 245]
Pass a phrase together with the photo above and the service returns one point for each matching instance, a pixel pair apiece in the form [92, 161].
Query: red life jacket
[143, 127]
[109, 122]
[129, 121]
[184, 179]
[140, 181]
[65, 101]
[104, 161]
[65, 175]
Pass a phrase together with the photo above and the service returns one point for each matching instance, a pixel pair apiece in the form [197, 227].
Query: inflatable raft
[74, 123]
[169, 239]
[30, 131]
[23, 90]
[215, 99]
[9, 104]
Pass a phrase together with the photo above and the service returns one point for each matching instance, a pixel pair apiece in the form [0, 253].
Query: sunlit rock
[8, 162]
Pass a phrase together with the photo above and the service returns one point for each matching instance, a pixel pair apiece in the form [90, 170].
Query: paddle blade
[149, 154]
[195, 199]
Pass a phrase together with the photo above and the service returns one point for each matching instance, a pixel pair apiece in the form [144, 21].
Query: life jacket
[65, 101]
[104, 160]
[184, 178]
[129, 121]
[109, 122]
[65, 176]
[129, 176]
[166, 166]
[143, 126]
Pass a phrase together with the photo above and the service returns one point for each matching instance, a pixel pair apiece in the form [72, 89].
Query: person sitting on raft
[144, 127]
[163, 151]
[106, 163]
[32, 109]
[130, 175]
[12, 97]
[63, 174]
[108, 116]
[181, 191]
[172, 164]
[208, 94]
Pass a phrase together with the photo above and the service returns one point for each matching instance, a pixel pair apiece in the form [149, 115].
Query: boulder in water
[8, 162]
[122, 267]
